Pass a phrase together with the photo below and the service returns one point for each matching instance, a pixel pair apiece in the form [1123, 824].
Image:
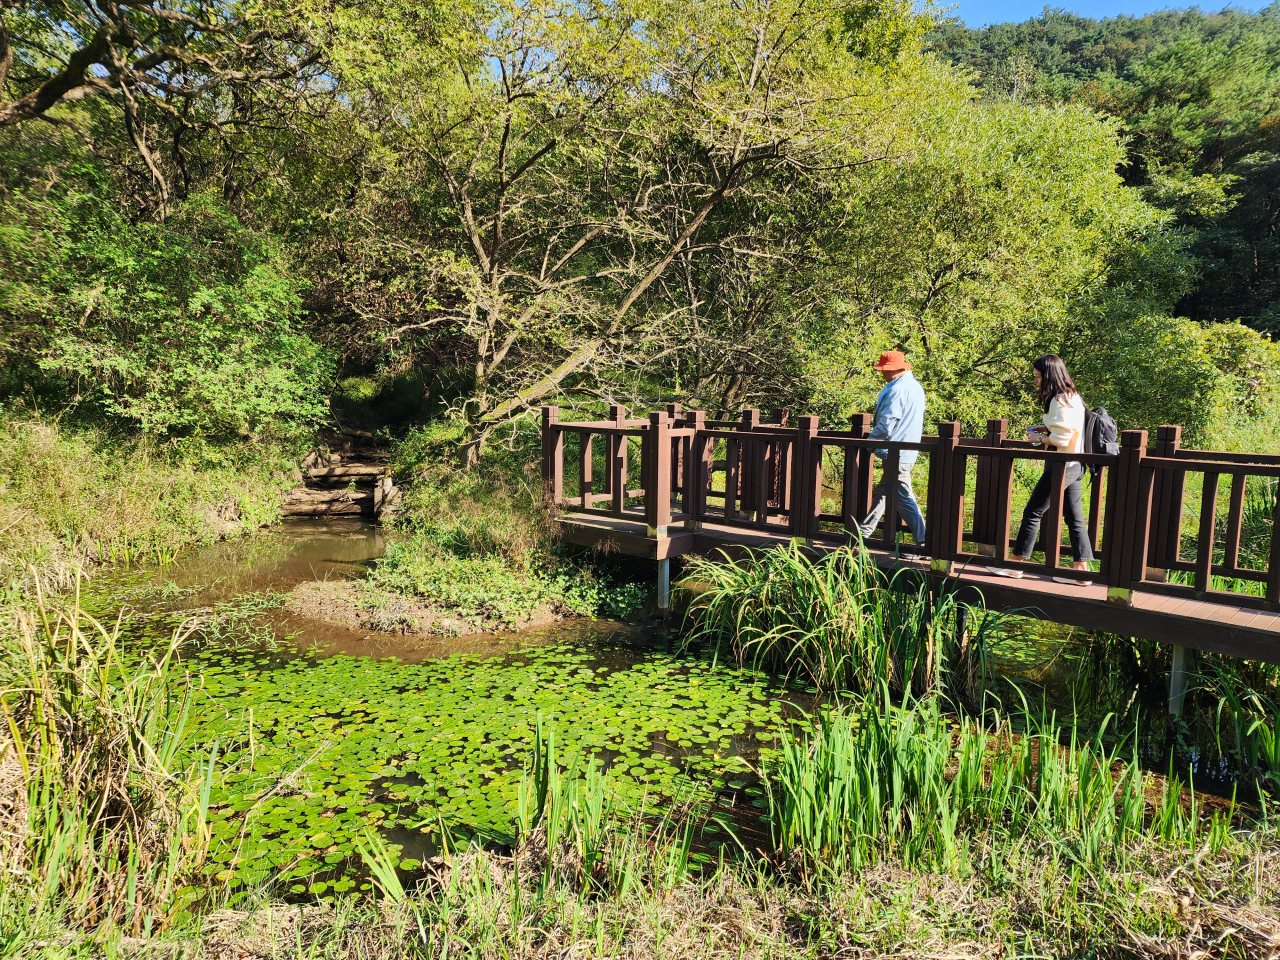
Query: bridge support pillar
[664, 587]
[1177, 681]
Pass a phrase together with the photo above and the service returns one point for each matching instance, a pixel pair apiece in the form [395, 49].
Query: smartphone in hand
[1037, 433]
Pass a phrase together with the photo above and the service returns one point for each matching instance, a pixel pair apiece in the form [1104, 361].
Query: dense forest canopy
[1198, 97]
[219, 216]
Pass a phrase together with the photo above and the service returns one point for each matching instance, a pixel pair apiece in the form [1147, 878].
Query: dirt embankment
[358, 606]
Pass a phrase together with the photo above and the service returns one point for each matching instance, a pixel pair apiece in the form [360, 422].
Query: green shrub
[489, 588]
[186, 326]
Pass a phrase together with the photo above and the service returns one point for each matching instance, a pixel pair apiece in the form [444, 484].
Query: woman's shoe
[1006, 572]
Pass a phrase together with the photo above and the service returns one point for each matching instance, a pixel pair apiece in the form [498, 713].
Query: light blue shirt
[900, 415]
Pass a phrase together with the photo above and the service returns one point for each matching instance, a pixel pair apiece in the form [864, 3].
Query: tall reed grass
[843, 622]
[574, 829]
[903, 782]
[116, 824]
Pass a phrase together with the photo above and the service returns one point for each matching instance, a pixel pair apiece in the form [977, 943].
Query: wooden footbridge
[702, 485]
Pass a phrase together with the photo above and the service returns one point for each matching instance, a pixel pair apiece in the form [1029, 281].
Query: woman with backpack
[1062, 431]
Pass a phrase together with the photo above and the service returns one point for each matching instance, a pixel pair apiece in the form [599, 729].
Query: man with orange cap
[899, 416]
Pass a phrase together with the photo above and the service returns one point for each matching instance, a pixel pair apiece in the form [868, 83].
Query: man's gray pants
[908, 508]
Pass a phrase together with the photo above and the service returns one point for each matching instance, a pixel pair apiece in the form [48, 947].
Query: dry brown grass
[13, 809]
[1176, 907]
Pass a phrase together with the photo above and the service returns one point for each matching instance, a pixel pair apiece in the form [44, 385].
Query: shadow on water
[1110, 683]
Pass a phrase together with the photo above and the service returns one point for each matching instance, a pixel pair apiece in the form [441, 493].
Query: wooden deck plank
[1154, 602]
[1220, 627]
[1266, 620]
[1243, 617]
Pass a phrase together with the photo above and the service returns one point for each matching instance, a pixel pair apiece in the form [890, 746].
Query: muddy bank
[356, 605]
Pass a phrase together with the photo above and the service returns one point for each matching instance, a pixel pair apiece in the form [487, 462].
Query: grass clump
[116, 820]
[481, 547]
[493, 592]
[68, 499]
[905, 782]
[839, 619]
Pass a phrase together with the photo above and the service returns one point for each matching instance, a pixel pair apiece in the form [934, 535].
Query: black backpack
[1100, 435]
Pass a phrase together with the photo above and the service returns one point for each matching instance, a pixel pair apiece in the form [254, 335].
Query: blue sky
[978, 13]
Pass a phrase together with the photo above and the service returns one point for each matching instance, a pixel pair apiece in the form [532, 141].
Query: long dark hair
[1054, 379]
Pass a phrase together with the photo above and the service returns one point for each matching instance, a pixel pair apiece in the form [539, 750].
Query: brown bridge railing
[817, 484]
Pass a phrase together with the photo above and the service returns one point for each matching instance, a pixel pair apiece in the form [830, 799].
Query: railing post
[748, 474]
[987, 489]
[802, 520]
[1273, 556]
[675, 412]
[860, 428]
[552, 454]
[779, 463]
[1122, 534]
[890, 534]
[697, 475]
[945, 518]
[1166, 524]
[657, 491]
[1205, 534]
[616, 471]
[1051, 525]
[586, 470]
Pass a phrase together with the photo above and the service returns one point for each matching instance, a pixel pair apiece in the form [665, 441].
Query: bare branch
[54, 90]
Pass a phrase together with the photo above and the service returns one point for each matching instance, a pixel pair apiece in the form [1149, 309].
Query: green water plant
[411, 746]
[839, 619]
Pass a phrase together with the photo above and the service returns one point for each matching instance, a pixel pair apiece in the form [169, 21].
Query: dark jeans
[1072, 510]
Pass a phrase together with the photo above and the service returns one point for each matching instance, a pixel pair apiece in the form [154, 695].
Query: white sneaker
[912, 556]
[1006, 572]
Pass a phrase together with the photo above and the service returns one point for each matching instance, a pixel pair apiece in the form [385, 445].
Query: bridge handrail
[773, 480]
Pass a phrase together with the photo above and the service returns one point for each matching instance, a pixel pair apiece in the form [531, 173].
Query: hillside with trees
[1197, 97]
[483, 207]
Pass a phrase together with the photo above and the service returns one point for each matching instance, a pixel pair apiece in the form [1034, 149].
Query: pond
[321, 732]
[330, 731]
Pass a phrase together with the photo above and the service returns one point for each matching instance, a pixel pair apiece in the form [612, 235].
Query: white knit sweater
[1065, 420]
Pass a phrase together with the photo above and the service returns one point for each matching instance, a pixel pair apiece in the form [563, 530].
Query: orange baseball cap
[892, 360]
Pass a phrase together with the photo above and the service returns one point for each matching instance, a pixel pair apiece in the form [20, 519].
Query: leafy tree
[1199, 97]
[553, 163]
[170, 73]
[181, 327]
